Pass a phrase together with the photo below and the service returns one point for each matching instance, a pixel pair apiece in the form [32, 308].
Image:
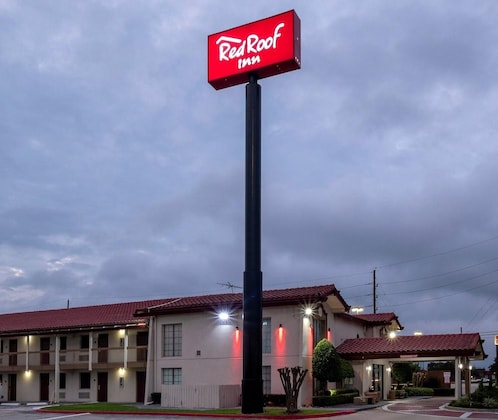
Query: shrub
[417, 392]
[325, 401]
[468, 402]
[342, 391]
[490, 402]
[461, 402]
[484, 392]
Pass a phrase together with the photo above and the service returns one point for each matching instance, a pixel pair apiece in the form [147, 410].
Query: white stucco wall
[212, 350]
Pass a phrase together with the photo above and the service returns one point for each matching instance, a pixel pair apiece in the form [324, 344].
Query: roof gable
[277, 297]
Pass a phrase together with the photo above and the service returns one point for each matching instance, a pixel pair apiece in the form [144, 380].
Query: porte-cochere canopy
[413, 347]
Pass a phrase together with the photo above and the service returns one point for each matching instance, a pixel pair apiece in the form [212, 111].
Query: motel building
[186, 352]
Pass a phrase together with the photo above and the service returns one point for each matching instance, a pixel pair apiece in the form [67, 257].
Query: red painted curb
[226, 416]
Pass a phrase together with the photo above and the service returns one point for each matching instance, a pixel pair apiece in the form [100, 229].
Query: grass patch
[132, 408]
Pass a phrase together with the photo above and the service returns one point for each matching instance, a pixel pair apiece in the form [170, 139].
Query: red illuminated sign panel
[266, 47]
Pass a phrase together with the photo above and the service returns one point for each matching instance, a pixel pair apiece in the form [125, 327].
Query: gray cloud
[122, 170]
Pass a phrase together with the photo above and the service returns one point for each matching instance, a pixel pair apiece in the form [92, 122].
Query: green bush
[418, 392]
[484, 392]
[326, 401]
[482, 397]
[342, 391]
[467, 402]
[461, 402]
[490, 403]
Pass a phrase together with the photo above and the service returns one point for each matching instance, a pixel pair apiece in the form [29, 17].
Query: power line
[441, 274]
[446, 296]
[438, 254]
[425, 289]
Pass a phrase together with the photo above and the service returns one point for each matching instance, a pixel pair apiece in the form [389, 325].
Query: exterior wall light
[392, 334]
[369, 368]
[308, 312]
[329, 335]
[223, 316]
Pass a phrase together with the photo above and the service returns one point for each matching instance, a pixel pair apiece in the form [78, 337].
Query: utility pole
[374, 293]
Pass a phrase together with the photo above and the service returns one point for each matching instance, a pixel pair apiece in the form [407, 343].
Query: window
[266, 335]
[44, 350]
[84, 341]
[62, 381]
[319, 330]
[266, 374]
[84, 380]
[142, 340]
[172, 376]
[13, 352]
[63, 343]
[172, 340]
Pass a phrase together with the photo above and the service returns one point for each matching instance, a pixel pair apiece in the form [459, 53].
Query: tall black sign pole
[252, 381]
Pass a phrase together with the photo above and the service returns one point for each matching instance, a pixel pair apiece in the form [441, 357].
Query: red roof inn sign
[239, 55]
[265, 48]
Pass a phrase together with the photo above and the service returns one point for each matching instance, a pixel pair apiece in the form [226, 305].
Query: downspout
[458, 377]
[125, 351]
[150, 366]
[27, 353]
[57, 369]
[90, 352]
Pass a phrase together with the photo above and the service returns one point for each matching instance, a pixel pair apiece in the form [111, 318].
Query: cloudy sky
[122, 170]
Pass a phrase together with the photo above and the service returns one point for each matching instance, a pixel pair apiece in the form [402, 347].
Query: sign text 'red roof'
[265, 48]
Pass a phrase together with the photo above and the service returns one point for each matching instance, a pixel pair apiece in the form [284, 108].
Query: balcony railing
[74, 358]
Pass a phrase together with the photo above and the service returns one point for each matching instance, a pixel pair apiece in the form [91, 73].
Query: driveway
[437, 406]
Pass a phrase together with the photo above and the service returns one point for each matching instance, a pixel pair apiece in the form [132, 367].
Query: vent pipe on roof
[67, 304]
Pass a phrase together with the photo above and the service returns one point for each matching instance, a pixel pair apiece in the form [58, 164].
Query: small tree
[403, 372]
[326, 364]
[347, 370]
[292, 379]
[494, 368]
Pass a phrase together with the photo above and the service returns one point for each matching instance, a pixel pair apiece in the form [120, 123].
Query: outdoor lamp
[223, 316]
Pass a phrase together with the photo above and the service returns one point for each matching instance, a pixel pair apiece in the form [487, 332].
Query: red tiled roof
[121, 314]
[386, 318]
[415, 346]
[310, 294]
[87, 317]
[382, 318]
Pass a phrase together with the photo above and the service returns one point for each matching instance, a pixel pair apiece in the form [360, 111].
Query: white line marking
[66, 416]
